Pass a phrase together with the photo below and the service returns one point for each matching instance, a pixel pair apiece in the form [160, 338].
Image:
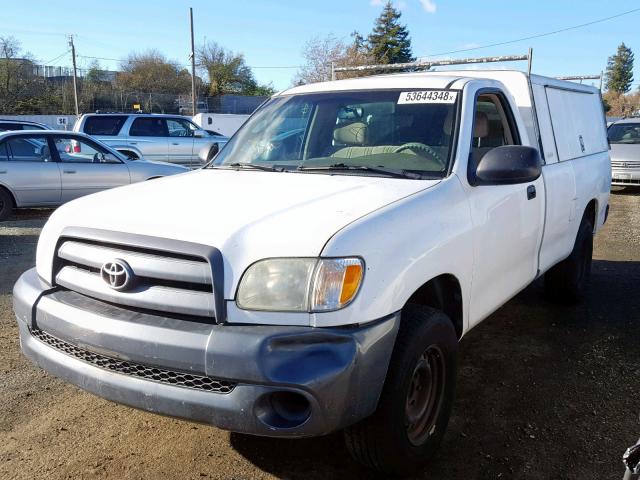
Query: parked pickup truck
[332, 256]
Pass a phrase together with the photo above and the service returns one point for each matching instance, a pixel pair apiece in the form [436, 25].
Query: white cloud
[429, 6]
[376, 3]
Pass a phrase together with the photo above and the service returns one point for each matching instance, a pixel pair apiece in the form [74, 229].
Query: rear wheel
[6, 204]
[568, 280]
[414, 407]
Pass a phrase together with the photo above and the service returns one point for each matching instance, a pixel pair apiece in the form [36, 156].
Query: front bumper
[625, 176]
[339, 372]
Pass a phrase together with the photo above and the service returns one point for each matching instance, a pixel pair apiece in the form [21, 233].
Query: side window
[10, 126]
[79, 150]
[28, 149]
[180, 128]
[148, 127]
[108, 125]
[491, 126]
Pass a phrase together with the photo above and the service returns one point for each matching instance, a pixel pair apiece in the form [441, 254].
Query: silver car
[624, 137]
[152, 136]
[6, 124]
[47, 168]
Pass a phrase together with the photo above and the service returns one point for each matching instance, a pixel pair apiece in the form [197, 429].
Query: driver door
[86, 167]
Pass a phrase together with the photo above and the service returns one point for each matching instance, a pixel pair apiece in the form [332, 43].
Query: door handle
[133, 143]
[69, 171]
[531, 192]
[175, 143]
[2, 171]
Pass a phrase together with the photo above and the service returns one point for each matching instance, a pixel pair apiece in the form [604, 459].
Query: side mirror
[200, 133]
[507, 165]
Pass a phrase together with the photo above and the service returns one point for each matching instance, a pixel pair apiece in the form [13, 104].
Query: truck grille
[161, 281]
[147, 372]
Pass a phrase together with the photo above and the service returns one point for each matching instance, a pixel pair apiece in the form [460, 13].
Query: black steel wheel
[414, 407]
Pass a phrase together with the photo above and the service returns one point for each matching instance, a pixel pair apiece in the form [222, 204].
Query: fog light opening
[283, 409]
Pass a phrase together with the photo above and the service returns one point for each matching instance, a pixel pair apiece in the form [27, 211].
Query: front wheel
[414, 407]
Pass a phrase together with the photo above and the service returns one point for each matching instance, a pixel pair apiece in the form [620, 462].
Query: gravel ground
[544, 392]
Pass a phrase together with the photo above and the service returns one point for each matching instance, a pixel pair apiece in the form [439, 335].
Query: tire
[213, 151]
[426, 347]
[6, 204]
[568, 281]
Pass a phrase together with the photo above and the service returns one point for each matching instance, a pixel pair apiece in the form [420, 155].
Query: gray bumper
[339, 371]
[625, 176]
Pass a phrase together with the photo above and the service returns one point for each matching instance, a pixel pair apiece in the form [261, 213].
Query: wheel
[568, 280]
[213, 151]
[6, 204]
[414, 407]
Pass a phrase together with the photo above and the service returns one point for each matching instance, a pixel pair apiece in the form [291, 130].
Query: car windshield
[363, 133]
[625, 133]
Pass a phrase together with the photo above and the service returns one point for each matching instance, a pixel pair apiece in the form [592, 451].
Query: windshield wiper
[363, 168]
[256, 166]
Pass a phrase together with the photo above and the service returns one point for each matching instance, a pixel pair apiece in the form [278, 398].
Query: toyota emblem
[117, 274]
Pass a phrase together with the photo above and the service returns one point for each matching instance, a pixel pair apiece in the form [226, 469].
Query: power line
[56, 58]
[197, 64]
[538, 35]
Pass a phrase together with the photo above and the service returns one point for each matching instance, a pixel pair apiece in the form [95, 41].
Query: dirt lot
[544, 392]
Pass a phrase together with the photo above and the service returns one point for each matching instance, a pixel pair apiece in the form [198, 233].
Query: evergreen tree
[389, 42]
[620, 70]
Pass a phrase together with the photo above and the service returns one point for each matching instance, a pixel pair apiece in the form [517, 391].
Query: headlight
[300, 284]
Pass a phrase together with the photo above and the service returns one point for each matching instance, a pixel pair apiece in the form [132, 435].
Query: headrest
[481, 125]
[354, 134]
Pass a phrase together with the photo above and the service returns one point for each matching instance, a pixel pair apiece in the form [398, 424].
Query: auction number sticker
[428, 96]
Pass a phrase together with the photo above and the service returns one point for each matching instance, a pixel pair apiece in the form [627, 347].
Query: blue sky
[271, 34]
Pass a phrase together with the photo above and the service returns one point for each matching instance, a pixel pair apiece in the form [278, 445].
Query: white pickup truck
[319, 274]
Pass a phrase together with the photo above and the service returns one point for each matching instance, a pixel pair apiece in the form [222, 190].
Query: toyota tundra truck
[331, 259]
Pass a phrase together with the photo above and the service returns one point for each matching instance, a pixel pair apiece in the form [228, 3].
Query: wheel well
[444, 293]
[590, 212]
[13, 199]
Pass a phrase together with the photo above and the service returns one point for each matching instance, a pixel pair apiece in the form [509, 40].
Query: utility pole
[193, 67]
[75, 74]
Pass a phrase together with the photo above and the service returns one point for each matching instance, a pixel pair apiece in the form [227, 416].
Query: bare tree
[320, 52]
[16, 73]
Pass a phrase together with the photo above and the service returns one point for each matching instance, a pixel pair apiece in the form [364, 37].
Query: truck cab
[332, 256]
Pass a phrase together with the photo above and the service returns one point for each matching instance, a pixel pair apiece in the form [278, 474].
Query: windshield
[624, 133]
[362, 132]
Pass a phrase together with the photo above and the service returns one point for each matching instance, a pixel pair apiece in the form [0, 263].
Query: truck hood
[247, 215]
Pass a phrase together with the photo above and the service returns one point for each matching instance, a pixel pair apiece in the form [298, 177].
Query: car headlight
[300, 284]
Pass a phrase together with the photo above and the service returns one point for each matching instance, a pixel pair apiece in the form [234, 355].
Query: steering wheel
[421, 146]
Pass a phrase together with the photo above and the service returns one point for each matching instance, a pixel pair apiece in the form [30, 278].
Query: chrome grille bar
[143, 264]
[147, 296]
